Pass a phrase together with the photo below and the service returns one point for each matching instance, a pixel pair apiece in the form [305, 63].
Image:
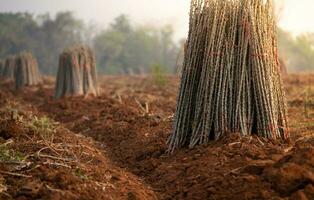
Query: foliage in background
[42, 35]
[120, 48]
[298, 52]
[159, 74]
[123, 48]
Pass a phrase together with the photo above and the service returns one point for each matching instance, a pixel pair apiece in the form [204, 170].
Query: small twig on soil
[15, 174]
[262, 143]
[140, 105]
[53, 190]
[56, 158]
[234, 171]
[146, 108]
[67, 150]
[287, 149]
[40, 150]
[48, 147]
[37, 166]
[305, 138]
[84, 131]
[51, 157]
[234, 143]
[250, 139]
[91, 160]
[15, 163]
[119, 98]
[57, 164]
[10, 141]
[28, 137]
[169, 117]
[104, 185]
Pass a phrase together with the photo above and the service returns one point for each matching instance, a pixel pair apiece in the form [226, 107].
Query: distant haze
[296, 16]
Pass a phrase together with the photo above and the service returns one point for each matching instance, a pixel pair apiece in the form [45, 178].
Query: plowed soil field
[115, 147]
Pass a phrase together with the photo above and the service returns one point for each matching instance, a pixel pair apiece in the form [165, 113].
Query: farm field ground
[114, 147]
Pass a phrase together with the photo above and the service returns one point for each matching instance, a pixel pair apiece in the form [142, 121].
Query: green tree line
[297, 51]
[135, 49]
[122, 47]
[43, 36]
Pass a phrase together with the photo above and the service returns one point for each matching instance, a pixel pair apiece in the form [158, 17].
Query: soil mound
[40, 159]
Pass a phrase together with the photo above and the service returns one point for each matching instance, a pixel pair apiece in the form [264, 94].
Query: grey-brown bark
[231, 79]
[77, 73]
[26, 71]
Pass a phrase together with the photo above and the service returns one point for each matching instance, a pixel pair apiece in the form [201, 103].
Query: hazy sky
[297, 15]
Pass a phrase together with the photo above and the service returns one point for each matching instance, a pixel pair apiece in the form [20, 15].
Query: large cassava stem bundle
[77, 73]
[230, 79]
[26, 71]
[9, 67]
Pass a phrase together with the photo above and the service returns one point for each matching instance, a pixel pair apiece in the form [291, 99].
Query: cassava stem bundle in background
[2, 62]
[231, 78]
[8, 68]
[77, 73]
[26, 72]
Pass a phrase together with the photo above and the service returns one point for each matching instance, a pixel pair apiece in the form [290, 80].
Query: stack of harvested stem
[2, 62]
[231, 78]
[8, 68]
[76, 73]
[26, 71]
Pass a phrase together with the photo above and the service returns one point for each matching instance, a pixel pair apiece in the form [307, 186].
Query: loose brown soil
[55, 163]
[129, 124]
